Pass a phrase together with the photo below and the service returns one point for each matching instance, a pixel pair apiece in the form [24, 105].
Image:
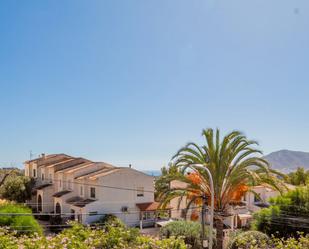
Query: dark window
[42, 176]
[72, 214]
[40, 203]
[92, 192]
[140, 191]
[58, 208]
[34, 172]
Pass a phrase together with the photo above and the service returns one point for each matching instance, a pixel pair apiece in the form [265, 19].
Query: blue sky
[132, 81]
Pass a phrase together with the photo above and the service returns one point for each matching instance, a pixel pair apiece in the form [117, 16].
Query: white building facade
[77, 188]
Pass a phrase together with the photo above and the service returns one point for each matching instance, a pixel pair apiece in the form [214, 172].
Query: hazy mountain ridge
[287, 160]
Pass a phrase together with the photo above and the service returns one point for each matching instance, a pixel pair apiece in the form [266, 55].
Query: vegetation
[287, 215]
[249, 239]
[299, 177]
[80, 237]
[258, 240]
[25, 224]
[17, 188]
[188, 230]
[109, 219]
[234, 165]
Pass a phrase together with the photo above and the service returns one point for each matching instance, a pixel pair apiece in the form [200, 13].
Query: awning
[244, 216]
[151, 206]
[163, 223]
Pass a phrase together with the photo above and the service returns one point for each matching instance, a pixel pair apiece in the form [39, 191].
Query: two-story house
[86, 190]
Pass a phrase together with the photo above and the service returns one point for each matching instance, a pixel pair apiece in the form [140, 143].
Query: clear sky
[132, 81]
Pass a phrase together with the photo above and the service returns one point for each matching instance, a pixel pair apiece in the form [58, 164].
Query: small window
[140, 191]
[42, 176]
[34, 172]
[50, 177]
[69, 184]
[81, 190]
[92, 192]
[60, 183]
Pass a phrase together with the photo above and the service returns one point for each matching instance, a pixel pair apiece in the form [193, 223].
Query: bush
[190, 231]
[25, 224]
[286, 216]
[109, 219]
[17, 188]
[250, 239]
[80, 237]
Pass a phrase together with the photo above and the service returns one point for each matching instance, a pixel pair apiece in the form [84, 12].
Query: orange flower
[239, 192]
[194, 216]
[194, 178]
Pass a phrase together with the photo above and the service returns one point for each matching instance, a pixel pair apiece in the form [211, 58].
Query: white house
[238, 214]
[84, 190]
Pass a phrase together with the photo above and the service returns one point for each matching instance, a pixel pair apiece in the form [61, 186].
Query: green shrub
[109, 219]
[190, 231]
[286, 216]
[250, 239]
[17, 188]
[80, 237]
[23, 224]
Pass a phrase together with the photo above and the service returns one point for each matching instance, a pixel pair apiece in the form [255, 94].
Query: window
[40, 203]
[257, 198]
[81, 190]
[50, 177]
[93, 213]
[92, 192]
[42, 176]
[34, 172]
[140, 191]
[60, 184]
[69, 184]
[148, 216]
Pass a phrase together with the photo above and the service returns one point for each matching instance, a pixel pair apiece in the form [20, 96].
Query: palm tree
[235, 166]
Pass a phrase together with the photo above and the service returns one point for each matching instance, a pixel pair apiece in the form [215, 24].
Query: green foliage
[162, 184]
[80, 237]
[17, 188]
[109, 219]
[234, 163]
[25, 224]
[299, 177]
[249, 239]
[287, 215]
[188, 230]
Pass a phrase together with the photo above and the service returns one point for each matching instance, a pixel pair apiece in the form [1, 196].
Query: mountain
[288, 160]
[152, 172]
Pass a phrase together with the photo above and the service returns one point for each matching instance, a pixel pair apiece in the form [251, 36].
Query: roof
[98, 172]
[75, 168]
[51, 159]
[45, 185]
[150, 206]
[61, 193]
[78, 201]
[70, 163]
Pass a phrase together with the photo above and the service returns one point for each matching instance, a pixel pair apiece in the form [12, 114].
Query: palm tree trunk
[219, 232]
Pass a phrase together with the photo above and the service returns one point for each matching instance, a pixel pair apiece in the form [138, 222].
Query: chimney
[43, 155]
[130, 166]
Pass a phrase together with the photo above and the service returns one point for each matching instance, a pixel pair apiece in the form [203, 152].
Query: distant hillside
[153, 172]
[287, 160]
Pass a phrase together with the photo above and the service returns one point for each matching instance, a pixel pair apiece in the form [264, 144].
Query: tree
[162, 184]
[17, 188]
[299, 177]
[235, 167]
[287, 215]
